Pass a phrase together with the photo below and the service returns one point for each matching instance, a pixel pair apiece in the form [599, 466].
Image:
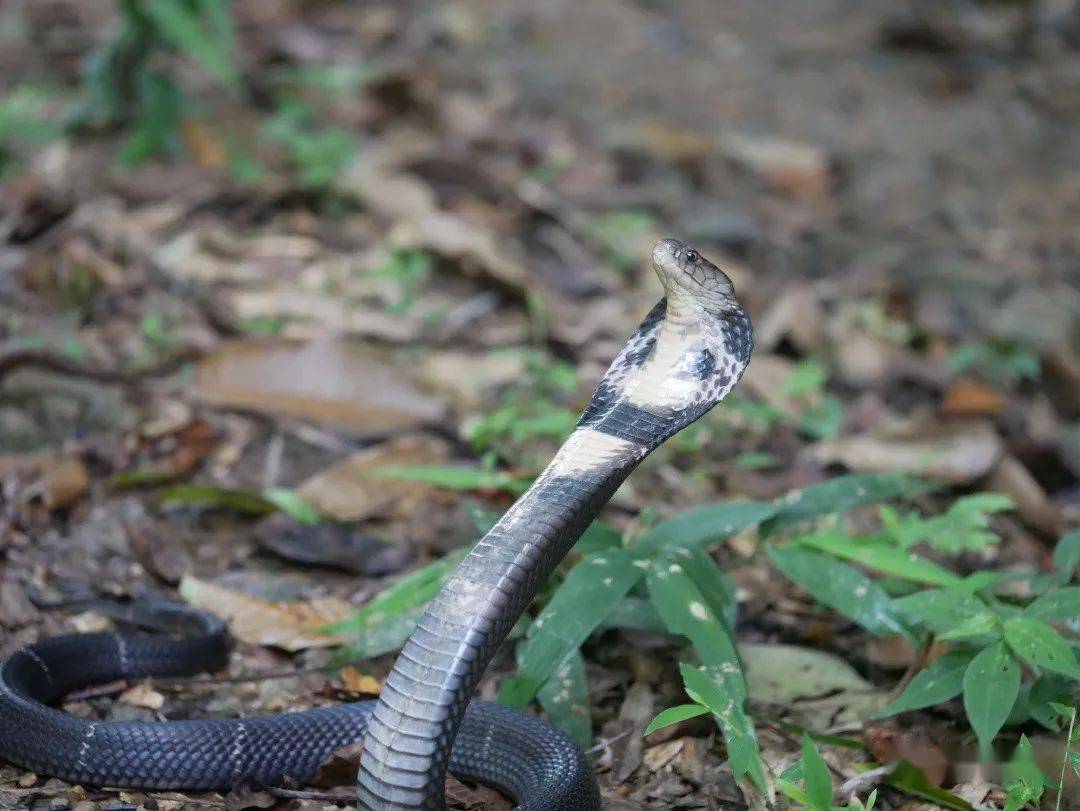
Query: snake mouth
[683, 270]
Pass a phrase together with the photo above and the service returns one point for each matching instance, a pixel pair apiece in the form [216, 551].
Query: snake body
[688, 353]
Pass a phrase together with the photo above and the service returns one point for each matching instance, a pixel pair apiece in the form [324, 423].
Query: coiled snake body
[687, 354]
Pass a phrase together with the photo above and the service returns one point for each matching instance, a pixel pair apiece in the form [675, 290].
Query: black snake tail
[688, 353]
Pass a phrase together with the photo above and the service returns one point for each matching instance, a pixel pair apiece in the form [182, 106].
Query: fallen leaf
[328, 544]
[352, 490]
[955, 452]
[62, 484]
[1033, 505]
[657, 757]
[798, 169]
[361, 684]
[163, 557]
[817, 688]
[468, 377]
[891, 653]
[16, 610]
[888, 744]
[341, 767]
[796, 314]
[970, 398]
[291, 626]
[143, 695]
[332, 382]
[202, 143]
[475, 798]
[638, 708]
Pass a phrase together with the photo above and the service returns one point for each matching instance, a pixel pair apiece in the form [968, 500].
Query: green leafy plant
[317, 153]
[1026, 783]
[125, 82]
[664, 578]
[28, 115]
[997, 360]
[533, 409]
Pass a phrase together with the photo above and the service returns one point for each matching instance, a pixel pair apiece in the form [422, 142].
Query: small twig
[321, 796]
[97, 691]
[51, 362]
[602, 745]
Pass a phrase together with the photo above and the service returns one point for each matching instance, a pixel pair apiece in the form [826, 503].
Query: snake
[688, 353]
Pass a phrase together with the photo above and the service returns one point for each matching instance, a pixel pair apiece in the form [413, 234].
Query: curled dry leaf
[327, 381]
[360, 684]
[291, 626]
[352, 490]
[955, 452]
[62, 484]
[970, 398]
[143, 695]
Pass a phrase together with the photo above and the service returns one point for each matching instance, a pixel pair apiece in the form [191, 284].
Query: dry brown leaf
[202, 143]
[795, 314]
[143, 695]
[657, 757]
[971, 398]
[326, 381]
[887, 744]
[352, 490]
[955, 452]
[468, 376]
[291, 626]
[63, 484]
[798, 169]
[1036, 509]
[360, 683]
[638, 708]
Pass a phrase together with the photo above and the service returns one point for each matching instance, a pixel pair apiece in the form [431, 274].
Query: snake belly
[690, 350]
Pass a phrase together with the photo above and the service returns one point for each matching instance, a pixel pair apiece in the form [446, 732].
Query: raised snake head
[691, 280]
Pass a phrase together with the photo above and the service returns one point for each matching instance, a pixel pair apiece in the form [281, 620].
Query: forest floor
[412, 236]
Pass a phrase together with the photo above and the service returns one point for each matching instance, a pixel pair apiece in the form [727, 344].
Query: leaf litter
[267, 347]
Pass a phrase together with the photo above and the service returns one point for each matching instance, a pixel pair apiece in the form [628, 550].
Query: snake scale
[688, 353]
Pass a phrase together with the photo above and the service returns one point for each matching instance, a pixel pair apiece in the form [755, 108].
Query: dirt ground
[414, 235]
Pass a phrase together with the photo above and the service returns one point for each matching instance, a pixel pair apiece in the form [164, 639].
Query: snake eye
[691, 256]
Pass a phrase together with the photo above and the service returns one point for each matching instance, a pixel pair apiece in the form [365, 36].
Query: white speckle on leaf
[608, 581]
[699, 611]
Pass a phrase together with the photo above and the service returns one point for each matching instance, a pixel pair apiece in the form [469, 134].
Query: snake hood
[688, 353]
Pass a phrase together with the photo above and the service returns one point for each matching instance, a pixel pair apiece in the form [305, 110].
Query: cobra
[688, 353]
